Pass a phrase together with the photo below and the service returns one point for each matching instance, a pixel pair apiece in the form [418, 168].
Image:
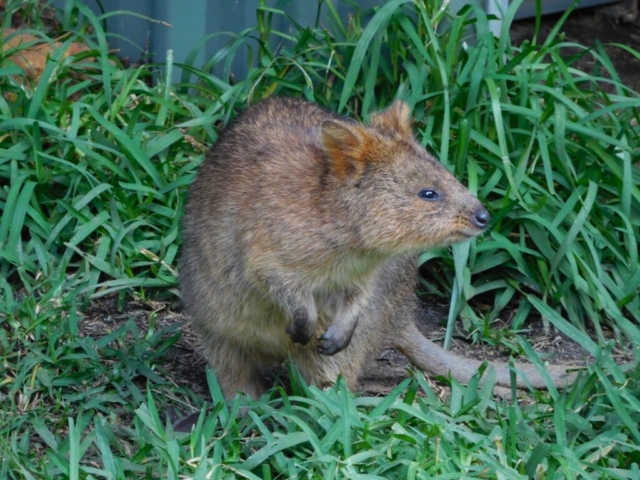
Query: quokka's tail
[433, 359]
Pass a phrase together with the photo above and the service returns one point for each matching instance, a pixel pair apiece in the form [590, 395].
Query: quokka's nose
[481, 217]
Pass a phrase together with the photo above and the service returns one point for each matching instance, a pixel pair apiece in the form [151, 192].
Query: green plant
[96, 170]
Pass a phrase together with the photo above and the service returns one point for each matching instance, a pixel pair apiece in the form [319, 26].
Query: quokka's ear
[345, 147]
[394, 119]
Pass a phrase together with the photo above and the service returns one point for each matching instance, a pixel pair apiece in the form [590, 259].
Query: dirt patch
[186, 367]
[183, 363]
[603, 27]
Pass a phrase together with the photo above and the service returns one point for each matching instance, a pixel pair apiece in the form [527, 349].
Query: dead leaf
[31, 53]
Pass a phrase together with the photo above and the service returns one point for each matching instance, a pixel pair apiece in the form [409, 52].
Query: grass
[95, 160]
[80, 408]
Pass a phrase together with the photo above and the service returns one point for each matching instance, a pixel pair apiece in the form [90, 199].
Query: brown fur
[301, 235]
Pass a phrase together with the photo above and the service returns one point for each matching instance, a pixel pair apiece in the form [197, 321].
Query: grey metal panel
[189, 22]
[126, 33]
[180, 26]
[238, 15]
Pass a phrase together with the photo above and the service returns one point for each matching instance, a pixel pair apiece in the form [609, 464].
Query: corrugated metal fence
[182, 25]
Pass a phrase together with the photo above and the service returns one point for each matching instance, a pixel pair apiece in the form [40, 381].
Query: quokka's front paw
[301, 327]
[334, 339]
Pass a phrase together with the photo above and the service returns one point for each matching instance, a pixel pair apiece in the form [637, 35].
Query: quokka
[301, 238]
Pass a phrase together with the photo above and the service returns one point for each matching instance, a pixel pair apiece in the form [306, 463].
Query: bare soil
[606, 27]
[187, 367]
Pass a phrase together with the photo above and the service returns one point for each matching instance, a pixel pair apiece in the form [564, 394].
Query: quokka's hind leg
[236, 371]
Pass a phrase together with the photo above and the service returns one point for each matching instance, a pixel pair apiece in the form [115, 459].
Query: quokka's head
[397, 196]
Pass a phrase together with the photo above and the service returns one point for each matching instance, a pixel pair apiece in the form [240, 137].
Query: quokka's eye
[428, 194]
